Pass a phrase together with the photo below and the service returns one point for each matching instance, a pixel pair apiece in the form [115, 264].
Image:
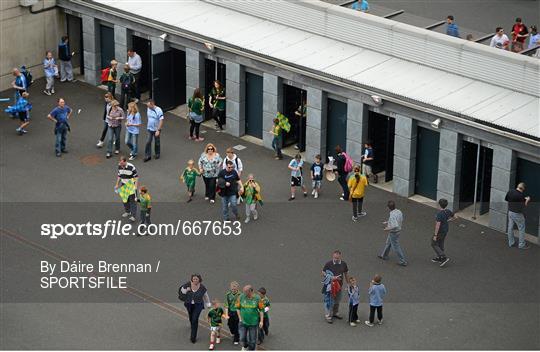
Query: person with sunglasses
[209, 166]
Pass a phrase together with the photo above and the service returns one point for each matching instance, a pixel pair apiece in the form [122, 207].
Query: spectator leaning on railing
[451, 27]
[500, 40]
[519, 35]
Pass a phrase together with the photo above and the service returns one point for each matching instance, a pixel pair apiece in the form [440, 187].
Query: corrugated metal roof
[451, 92]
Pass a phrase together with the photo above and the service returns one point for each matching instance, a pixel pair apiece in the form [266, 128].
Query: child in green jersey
[215, 316]
[266, 317]
[189, 176]
[252, 196]
[145, 200]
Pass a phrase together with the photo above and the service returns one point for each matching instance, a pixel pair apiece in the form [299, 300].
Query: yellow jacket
[357, 189]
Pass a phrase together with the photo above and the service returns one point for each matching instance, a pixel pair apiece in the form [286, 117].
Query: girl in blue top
[51, 70]
[133, 122]
[376, 292]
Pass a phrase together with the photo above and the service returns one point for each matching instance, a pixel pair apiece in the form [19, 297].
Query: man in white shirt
[135, 66]
[500, 40]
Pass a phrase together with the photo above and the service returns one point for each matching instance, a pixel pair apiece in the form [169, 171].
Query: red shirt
[518, 29]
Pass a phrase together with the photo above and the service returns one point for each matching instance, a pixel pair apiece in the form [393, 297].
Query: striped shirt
[127, 173]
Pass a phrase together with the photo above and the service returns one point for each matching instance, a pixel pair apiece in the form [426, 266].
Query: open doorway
[143, 47]
[381, 130]
[469, 160]
[336, 126]
[74, 32]
[106, 44]
[294, 108]
[169, 78]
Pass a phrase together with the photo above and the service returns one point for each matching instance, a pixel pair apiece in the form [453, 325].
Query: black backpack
[27, 75]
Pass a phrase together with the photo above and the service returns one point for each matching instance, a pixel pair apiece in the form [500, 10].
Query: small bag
[182, 296]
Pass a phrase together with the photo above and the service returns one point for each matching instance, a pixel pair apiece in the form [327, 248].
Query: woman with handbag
[357, 188]
[195, 298]
[195, 114]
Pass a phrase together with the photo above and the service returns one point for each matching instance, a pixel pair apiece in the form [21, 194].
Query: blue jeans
[276, 145]
[60, 133]
[113, 134]
[519, 220]
[342, 179]
[225, 201]
[392, 242]
[248, 336]
[148, 147]
[131, 141]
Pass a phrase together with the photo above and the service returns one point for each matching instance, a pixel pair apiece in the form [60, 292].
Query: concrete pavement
[486, 298]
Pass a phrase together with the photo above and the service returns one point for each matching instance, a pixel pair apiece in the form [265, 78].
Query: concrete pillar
[92, 50]
[449, 167]
[194, 72]
[405, 139]
[357, 128]
[158, 45]
[272, 103]
[121, 46]
[503, 178]
[236, 97]
[315, 123]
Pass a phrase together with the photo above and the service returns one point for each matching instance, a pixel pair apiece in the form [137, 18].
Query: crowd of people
[246, 312]
[522, 38]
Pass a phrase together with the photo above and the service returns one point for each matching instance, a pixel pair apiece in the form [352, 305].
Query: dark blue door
[254, 105]
[107, 46]
[427, 163]
[336, 128]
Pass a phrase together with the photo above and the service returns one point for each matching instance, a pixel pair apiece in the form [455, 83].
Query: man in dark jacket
[342, 174]
[64, 54]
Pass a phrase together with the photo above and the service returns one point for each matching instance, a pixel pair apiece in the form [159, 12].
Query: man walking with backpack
[19, 84]
[66, 69]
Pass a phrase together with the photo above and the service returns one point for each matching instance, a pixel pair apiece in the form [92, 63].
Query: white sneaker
[212, 201]
[116, 152]
[206, 198]
[256, 216]
[380, 322]
[218, 340]
[316, 195]
[132, 218]
[247, 220]
[341, 198]
[368, 323]
[354, 218]
[100, 144]
[236, 343]
[353, 324]
[125, 215]
[313, 192]
[47, 92]
[52, 91]
[363, 213]
[211, 348]
[132, 157]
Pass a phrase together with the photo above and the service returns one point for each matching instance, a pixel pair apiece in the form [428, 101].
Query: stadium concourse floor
[487, 297]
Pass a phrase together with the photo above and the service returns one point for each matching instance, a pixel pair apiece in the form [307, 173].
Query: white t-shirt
[499, 41]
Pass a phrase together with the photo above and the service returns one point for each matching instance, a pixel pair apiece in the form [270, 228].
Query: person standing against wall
[65, 55]
[112, 79]
[517, 201]
[135, 65]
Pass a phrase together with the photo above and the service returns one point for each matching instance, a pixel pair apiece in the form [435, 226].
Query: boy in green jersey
[215, 316]
[230, 310]
[189, 176]
[264, 330]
